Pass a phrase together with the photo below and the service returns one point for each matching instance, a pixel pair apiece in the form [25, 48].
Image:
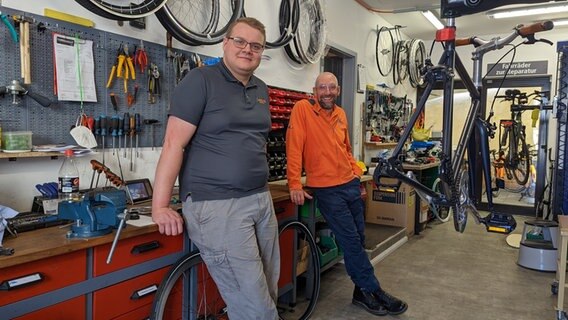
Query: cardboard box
[424, 211]
[391, 207]
[302, 258]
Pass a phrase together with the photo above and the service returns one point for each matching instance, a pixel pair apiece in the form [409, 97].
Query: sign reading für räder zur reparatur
[518, 69]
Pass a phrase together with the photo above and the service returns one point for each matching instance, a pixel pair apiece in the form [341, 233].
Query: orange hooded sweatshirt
[318, 142]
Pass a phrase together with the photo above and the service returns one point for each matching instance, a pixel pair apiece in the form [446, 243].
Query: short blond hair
[251, 22]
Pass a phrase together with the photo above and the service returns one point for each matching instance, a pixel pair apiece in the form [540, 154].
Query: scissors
[48, 189]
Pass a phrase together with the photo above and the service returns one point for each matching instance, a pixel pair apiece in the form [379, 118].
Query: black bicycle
[189, 292]
[457, 180]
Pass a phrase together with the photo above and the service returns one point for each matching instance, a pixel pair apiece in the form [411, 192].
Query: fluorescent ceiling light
[526, 11]
[433, 19]
[558, 23]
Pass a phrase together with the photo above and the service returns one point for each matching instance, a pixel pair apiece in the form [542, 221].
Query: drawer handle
[143, 292]
[279, 210]
[21, 282]
[141, 248]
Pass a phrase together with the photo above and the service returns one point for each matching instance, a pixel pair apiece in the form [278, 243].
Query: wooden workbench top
[43, 243]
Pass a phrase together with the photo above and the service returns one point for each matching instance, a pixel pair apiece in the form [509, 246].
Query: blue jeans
[344, 211]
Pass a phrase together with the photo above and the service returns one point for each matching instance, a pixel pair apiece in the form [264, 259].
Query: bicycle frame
[475, 126]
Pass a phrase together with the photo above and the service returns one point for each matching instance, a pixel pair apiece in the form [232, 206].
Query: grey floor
[446, 275]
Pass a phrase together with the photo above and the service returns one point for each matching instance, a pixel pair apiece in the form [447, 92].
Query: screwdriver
[131, 133]
[151, 122]
[126, 129]
[120, 131]
[138, 130]
[114, 103]
[103, 133]
[97, 129]
[114, 131]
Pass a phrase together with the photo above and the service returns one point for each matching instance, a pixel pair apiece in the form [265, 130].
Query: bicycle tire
[521, 169]
[460, 205]
[310, 37]
[286, 24]
[216, 24]
[441, 213]
[300, 302]
[417, 56]
[199, 306]
[107, 9]
[385, 56]
[170, 298]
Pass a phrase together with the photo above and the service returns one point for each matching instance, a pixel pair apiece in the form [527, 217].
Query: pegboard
[51, 125]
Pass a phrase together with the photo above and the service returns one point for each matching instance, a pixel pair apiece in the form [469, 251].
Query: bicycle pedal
[500, 223]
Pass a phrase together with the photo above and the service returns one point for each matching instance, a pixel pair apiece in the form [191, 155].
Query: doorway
[512, 197]
[342, 63]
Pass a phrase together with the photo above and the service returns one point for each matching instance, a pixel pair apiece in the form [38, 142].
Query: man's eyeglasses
[242, 43]
[330, 87]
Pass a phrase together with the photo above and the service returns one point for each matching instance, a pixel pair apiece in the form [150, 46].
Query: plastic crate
[331, 254]
[305, 210]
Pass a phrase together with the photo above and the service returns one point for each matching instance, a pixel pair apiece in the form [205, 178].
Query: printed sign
[518, 69]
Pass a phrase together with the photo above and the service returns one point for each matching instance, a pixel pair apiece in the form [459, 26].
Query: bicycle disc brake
[463, 202]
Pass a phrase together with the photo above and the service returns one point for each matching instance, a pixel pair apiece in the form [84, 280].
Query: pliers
[140, 57]
[116, 65]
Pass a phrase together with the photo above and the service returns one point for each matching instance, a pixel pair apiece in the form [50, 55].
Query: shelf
[31, 154]
[382, 144]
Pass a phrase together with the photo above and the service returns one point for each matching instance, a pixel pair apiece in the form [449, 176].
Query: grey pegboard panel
[51, 125]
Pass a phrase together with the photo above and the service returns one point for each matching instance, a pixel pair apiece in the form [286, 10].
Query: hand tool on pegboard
[126, 130]
[25, 60]
[153, 83]
[132, 133]
[10, 27]
[151, 123]
[138, 131]
[140, 57]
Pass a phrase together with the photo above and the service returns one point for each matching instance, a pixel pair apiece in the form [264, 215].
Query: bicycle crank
[463, 203]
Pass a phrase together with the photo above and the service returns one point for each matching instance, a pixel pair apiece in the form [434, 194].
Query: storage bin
[327, 257]
[305, 210]
[17, 141]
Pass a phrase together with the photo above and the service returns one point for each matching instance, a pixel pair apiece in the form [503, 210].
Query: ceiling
[416, 25]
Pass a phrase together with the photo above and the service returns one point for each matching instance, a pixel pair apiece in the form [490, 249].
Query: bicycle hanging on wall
[456, 189]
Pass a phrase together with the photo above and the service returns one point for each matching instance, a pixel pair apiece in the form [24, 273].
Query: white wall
[348, 25]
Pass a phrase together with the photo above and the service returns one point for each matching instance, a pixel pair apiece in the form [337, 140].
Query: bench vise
[96, 214]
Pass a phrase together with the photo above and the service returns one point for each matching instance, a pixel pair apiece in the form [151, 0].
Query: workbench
[54, 277]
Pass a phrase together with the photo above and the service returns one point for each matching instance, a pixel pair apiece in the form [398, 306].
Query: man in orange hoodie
[317, 140]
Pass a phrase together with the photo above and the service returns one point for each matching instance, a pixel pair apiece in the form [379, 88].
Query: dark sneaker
[392, 304]
[368, 301]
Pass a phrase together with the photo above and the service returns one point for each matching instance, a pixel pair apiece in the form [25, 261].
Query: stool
[538, 251]
[561, 273]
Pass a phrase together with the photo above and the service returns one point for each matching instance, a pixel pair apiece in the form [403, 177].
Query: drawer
[287, 257]
[135, 250]
[285, 210]
[127, 296]
[72, 309]
[34, 278]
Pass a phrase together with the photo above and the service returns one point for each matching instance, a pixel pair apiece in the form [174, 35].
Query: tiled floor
[443, 275]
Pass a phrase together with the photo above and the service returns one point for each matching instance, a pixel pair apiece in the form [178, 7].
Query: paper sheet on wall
[70, 56]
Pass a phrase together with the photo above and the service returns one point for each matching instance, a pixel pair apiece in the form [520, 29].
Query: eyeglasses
[242, 43]
[330, 87]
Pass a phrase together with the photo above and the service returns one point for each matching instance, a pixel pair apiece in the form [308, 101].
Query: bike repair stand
[538, 247]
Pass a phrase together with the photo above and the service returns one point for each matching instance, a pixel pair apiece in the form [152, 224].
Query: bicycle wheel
[462, 201]
[299, 286]
[441, 213]
[287, 24]
[416, 58]
[188, 292]
[203, 22]
[384, 51]
[522, 163]
[122, 10]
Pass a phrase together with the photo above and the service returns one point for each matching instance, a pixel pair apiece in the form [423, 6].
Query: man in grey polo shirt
[216, 141]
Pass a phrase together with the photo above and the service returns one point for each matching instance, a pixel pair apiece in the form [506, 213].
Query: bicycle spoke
[384, 51]
[199, 21]
[122, 9]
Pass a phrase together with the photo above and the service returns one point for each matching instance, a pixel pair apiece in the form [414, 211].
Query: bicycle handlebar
[483, 46]
[524, 31]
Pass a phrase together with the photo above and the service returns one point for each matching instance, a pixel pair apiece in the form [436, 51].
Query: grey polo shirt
[226, 158]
